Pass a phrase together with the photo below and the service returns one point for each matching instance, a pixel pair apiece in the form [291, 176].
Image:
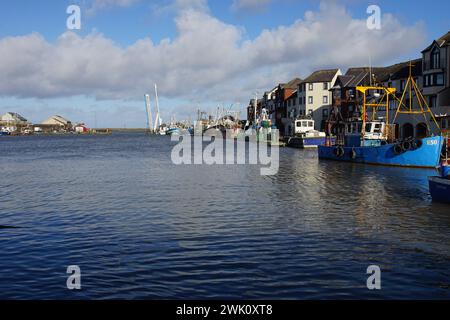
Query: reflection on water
[140, 227]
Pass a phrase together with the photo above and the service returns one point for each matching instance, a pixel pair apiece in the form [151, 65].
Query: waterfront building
[436, 72]
[13, 122]
[284, 91]
[314, 96]
[54, 123]
[13, 118]
[436, 78]
[251, 109]
[268, 102]
[81, 128]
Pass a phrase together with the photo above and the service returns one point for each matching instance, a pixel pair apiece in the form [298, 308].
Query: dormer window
[435, 58]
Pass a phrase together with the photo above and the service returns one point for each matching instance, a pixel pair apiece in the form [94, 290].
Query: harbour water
[140, 227]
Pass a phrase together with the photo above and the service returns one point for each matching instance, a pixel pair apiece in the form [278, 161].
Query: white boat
[305, 136]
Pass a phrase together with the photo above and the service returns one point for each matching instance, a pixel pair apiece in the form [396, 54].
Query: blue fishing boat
[440, 185]
[372, 140]
[420, 153]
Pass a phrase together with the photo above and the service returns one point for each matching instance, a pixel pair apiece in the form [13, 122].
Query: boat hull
[173, 132]
[439, 189]
[306, 142]
[426, 156]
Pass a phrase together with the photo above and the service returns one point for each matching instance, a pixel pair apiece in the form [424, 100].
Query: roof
[401, 70]
[294, 95]
[16, 116]
[57, 118]
[291, 84]
[321, 76]
[441, 42]
[361, 75]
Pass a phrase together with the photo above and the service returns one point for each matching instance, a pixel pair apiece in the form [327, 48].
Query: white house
[315, 97]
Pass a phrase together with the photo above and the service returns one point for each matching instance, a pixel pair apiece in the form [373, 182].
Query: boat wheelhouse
[305, 135]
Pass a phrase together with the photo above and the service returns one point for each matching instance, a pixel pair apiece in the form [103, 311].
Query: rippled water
[140, 227]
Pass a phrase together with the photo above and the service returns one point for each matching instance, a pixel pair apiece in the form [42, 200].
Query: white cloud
[104, 4]
[208, 60]
[250, 5]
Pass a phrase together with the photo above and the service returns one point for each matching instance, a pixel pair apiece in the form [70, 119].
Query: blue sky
[200, 53]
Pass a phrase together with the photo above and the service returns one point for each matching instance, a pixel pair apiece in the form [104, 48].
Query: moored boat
[440, 185]
[423, 153]
[372, 140]
[173, 131]
[305, 135]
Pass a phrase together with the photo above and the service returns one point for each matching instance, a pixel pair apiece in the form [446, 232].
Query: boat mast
[149, 113]
[256, 106]
[383, 102]
[411, 85]
[157, 107]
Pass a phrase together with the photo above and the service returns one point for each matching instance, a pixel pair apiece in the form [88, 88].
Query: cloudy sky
[200, 53]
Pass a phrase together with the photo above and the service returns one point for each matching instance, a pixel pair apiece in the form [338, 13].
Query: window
[435, 58]
[432, 101]
[310, 123]
[436, 79]
[402, 85]
[310, 100]
[311, 87]
[325, 99]
[325, 86]
[310, 112]
[444, 123]
[377, 128]
[325, 113]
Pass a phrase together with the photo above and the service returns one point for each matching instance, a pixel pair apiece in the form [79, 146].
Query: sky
[201, 54]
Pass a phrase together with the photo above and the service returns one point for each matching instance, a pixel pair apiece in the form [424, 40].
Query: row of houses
[325, 90]
[12, 122]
